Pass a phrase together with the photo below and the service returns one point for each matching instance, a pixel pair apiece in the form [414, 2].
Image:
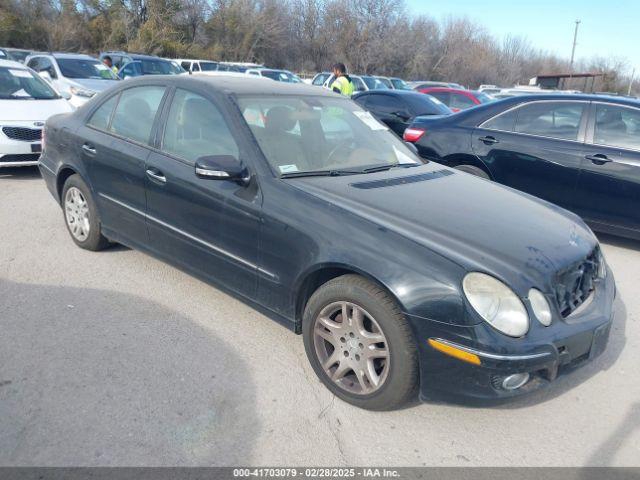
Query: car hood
[31, 110]
[480, 225]
[93, 83]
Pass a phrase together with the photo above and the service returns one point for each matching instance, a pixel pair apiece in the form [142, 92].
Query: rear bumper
[553, 351]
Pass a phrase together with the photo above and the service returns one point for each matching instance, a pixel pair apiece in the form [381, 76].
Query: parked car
[457, 99]
[26, 101]
[359, 84]
[76, 75]
[131, 65]
[400, 84]
[398, 108]
[240, 67]
[581, 152]
[16, 54]
[320, 78]
[273, 74]
[196, 66]
[420, 84]
[399, 275]
[373, 83]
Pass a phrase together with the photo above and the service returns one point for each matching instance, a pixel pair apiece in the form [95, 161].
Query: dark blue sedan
[403, 277]
[581, 152]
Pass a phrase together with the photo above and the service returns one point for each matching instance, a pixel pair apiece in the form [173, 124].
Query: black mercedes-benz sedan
[402, 276]
[398, 108]
[581, 152]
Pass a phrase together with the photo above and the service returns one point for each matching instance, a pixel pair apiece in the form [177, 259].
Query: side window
[100, 118]
[505, 121]
[45, 65]
[358, 85]
[617, 126]
[136, 112]
[319, 80]
[461, 102]
[117, 61]
[34, 63]
[196, 128]
[444, 97]
[384, 104]
[186, 65]
[551, 119]
[196, 67]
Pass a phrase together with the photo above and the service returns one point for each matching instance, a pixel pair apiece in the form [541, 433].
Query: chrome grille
[575, 283]
[23, 133]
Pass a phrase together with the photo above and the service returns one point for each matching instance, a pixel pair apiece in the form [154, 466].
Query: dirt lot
[114, 358]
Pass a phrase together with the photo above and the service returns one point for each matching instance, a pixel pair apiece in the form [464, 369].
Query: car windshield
[321, 135]
[400, 84]
[21, 84]
[85, 68]
[280, 76]
[484, 98]
[208, 66]
[373, 83]
[385, 81]
[160, 67]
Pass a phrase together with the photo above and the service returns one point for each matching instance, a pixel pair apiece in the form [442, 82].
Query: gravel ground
[115, 358]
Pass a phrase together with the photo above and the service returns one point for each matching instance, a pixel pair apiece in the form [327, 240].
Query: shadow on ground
[19, 173]
[93, 377]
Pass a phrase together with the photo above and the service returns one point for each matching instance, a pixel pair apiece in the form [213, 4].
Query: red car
[457, 99]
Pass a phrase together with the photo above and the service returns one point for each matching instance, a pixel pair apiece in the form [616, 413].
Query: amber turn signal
[452, 351]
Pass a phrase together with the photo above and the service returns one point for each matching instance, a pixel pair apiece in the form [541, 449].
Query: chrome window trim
[600, 102]
[211, 246]
[493, 356]
[520, 105]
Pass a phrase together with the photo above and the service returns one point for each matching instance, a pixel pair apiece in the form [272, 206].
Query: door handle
[489, 140]
[156, 175]
[90, 149]
[598, 158]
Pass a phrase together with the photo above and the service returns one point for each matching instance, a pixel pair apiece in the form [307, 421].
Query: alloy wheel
[77, 214]
[351, 348]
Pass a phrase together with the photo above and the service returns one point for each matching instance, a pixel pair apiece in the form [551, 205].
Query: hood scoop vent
[390, 182]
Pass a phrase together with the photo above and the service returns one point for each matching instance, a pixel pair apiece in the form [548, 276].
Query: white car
[26, 102]
[197, 66]
[80, 76]
[274, 74]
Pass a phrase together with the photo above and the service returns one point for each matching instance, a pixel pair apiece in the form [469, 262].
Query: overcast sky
[608, 28]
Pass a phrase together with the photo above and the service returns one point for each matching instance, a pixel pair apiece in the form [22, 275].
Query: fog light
[515, 381]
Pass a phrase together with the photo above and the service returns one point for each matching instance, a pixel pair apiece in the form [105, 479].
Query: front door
[536, 148]
[115, 145]
[609, 188]
[206, 225]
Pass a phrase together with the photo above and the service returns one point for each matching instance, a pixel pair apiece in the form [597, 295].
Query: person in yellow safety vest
[342, 83]
[109, 64]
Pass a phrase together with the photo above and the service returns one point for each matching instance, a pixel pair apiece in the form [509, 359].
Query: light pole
[633, 74]
[573, 50]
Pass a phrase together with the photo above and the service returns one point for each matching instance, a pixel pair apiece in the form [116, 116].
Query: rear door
[209, 226]
[609, 187]
[536, 148]
[115, 145]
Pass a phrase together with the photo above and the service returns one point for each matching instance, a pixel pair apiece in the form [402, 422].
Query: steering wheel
[335, 150]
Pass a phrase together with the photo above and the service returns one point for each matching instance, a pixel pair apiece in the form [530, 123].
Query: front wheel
[81, 215]
[360, 344]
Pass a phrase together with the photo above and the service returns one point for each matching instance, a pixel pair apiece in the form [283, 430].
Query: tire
[396, 374]
[81, 216]
[478, 172]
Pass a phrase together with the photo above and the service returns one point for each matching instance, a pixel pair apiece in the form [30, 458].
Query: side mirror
[222, 167]
[65, 95]
[412, 147]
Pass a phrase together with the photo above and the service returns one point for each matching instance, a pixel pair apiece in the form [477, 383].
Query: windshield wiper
[320, 173]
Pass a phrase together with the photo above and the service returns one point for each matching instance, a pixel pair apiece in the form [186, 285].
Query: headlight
[82, 92]
[602, 265]
[496, 304]
[540, 307]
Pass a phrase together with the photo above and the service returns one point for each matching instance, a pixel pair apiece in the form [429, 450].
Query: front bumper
[544, 353]
[17, 153]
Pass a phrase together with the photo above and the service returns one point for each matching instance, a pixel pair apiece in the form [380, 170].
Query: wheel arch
[466, 159]
[321, 274]
[63, 174]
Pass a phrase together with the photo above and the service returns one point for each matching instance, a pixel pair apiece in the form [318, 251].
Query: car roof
[635, 102]
[63, 55]
[245, 85]
[12, 64]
